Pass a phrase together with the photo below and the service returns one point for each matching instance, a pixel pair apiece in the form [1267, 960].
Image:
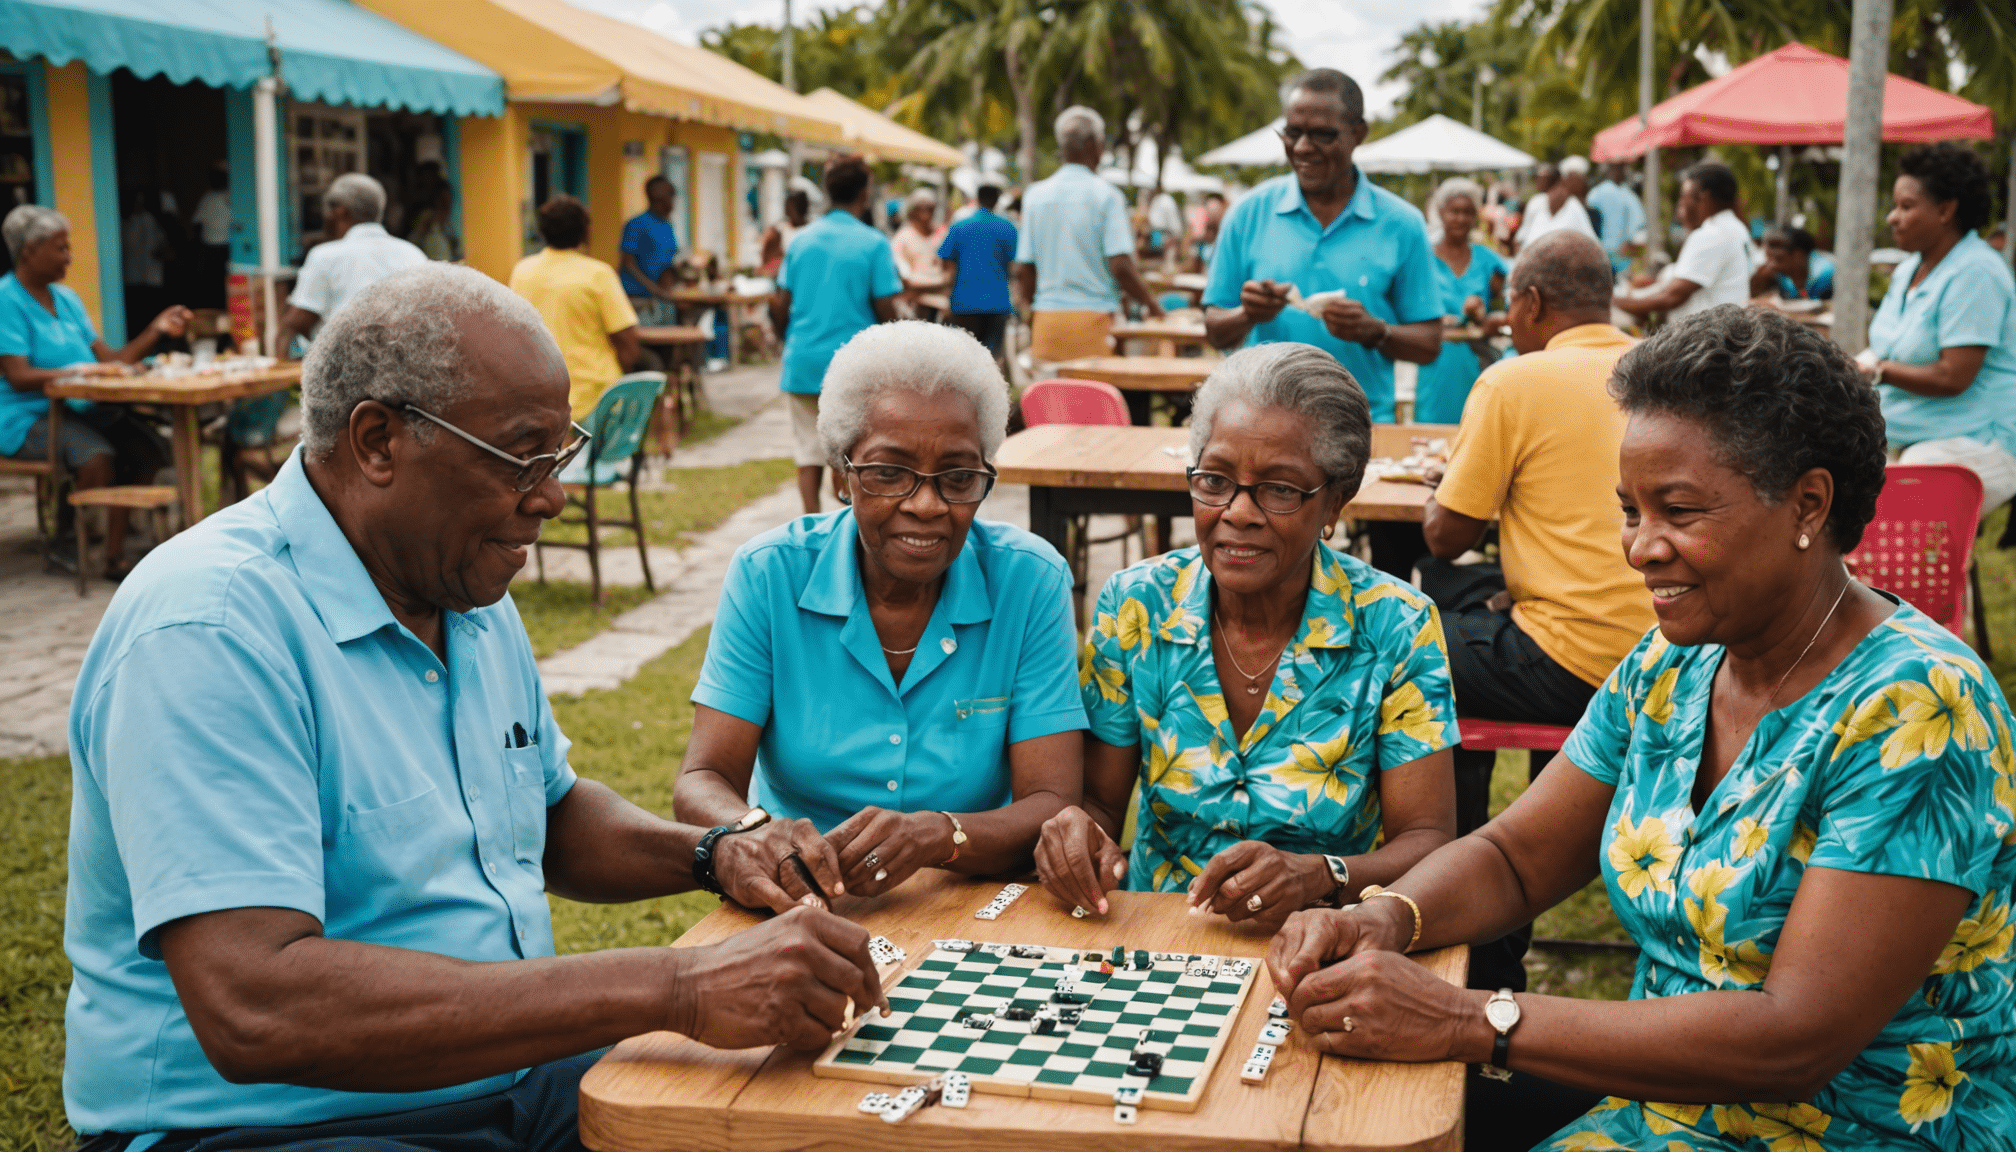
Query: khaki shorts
[1058, 336]
[809, 452]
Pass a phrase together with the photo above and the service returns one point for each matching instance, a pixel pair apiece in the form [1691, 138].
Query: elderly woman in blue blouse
[46, 335]
[1942, 347]
[1470, 276]
[1284, 706]
[1799, 791]
[895, 679]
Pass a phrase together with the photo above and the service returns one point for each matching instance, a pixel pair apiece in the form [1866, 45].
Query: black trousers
[1497, 673]
[1517, 1114]
[540, 1113]
[990, 328]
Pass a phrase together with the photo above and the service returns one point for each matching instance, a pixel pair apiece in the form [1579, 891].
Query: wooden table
[1169, 335]
[700, 299]
[684, 352]
[1141, 373]
[1191, 284]
[661, 1091]
[181, 395]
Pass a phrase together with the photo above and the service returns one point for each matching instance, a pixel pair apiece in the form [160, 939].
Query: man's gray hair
[400, 340]
[1077, 126]
[911, 357]
[920, 197]
[1306, 381]
[1331, 82]
[29, 225]
[1570, 268]
[362, 196]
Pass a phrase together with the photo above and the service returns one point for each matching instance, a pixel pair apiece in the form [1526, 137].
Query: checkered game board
[1188, 1018]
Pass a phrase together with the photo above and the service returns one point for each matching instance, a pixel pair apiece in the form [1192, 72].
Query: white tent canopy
[1437, 144]
[1177, 174]
[1253, 150]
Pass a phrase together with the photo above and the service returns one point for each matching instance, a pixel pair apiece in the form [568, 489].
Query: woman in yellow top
[582, 302]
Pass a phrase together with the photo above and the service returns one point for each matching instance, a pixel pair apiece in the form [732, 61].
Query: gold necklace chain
[1252, 681]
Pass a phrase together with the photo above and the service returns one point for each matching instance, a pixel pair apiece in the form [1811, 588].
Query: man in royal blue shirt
[977, 252]
[649, 246]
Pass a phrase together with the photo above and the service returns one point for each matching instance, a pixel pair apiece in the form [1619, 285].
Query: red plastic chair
[1074, 402]
[1496, 734]
[1922, 540]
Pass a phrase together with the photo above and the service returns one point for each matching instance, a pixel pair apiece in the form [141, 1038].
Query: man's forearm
[602, 849]
[1419, 343]
[1130, 280]
[1226, 327]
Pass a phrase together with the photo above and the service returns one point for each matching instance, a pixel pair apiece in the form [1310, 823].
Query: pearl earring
[1805, 541]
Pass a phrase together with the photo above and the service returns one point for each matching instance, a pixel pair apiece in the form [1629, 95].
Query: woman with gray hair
[46, 335]
[916, 247]
[894, 678]
[1471, 278]
[1284, 706]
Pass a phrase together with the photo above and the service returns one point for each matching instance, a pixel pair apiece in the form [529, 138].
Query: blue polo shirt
[1967, 299]
[48, 341]
[1819, 280]
[655, 244]
[1623, 216]
[984, 246]
[252, 728]
[1072, 223]
[835, 269]
[1376, 250]
[794, 650]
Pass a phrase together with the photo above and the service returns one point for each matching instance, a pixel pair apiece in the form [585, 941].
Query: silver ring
[1253, 902]
[1350, 1025]
[872, 860]
[881, 874]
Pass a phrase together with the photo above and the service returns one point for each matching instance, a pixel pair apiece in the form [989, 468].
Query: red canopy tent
[1796, 95]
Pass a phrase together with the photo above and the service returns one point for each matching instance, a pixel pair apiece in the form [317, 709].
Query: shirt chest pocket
[392, 843]
[980, 714]
[525, 786]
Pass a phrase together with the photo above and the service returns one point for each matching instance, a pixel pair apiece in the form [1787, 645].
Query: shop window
[19, 123]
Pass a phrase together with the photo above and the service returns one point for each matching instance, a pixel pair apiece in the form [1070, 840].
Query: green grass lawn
[693, 500]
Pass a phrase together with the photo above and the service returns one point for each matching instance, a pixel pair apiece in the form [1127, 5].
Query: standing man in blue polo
[1621, 215]
[839, 276]
[977, 253]
[1323, 228]
[650, 244]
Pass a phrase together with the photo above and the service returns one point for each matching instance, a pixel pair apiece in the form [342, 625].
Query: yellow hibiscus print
[1407, 712]
[1721, 964]
[1928, 1084]
[1803, 840]
[1109, 679]
[1328, 578]
[1319, 634]
[1653, 652]
[1170, 768]
[1589, 1142]
[1212, 705]
[1921, 717]
[1380, 592]
[1664, 1119]
[1643, 856]
[1658, 706]
[1315, 768]
[1732, 1121]
[1790, 1127]
[1431, 633]
[1751, 836]
[1983, 938]
[1132, 629]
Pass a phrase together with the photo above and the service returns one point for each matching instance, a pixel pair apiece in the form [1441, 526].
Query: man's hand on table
[880, 849]
[1077, 861]
[787, 981]
[777, 865]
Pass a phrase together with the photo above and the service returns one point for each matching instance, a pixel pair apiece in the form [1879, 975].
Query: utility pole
[1655, 231]
[1861, 157]
[789, 74]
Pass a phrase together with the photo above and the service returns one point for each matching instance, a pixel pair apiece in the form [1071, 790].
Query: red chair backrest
[1919, 544]
[1073, 402]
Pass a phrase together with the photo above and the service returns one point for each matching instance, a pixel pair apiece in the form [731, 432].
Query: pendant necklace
[901, 652]
[1252, 681]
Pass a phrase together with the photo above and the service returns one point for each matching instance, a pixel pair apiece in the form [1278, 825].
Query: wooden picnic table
[661, 1091]
[181, 395]
[1169, 335]
[700, 299]
[1141, 373]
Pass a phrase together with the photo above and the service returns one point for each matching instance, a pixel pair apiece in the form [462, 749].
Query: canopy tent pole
[266, 176]
[2009, 227]
[1655, 234]
[1784, 185]
[1861, 147]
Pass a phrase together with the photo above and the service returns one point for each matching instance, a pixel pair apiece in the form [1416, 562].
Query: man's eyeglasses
[1217, 490]
[955, 486]
[532, 470]
[1321, 137]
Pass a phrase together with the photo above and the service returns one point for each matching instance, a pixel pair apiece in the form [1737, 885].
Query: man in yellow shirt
[582, 302]
[1536, 451]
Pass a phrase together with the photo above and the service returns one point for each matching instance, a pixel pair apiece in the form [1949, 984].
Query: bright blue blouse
[794, 650]
[58, 341]
[1443, 386]
[1968, 299]
[835, 269]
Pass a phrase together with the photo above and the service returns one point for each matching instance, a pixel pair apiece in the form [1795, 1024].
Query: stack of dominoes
[884, 953]
[1000, 902]
[1272, 1035]
[953, 1090]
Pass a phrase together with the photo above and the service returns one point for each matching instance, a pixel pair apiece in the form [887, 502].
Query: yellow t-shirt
[582, 302]
[1537, 451]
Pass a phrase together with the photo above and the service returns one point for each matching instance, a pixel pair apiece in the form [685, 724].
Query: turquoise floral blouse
[1898, 763]
[1363, 687]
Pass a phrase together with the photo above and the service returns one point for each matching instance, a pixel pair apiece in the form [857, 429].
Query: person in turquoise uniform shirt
[1621, 213]
[1325, 228]
[1799, 792]
[1792, 269]
[1285, 709]
[1942, 347]
[894, 680]
[1471, 278]
[839, 277]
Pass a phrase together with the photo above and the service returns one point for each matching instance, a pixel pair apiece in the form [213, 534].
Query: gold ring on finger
[1254, 903]
[1350, 1025]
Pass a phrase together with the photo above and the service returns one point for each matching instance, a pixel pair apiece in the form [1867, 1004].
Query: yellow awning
[550, 50]
[883, 138]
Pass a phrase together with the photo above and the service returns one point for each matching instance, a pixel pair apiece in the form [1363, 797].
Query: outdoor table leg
[188, 446]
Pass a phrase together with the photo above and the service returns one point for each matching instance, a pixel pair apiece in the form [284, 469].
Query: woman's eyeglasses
[1217, 490]
[532, 470]
[955, 486]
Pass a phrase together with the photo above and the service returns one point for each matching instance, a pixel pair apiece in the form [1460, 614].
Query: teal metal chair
[618, 424]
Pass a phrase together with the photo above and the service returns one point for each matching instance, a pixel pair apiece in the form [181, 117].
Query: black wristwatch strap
[1501, 1049]
[703, 860]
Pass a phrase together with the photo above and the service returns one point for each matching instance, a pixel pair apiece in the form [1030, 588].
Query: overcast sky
[1355, 35]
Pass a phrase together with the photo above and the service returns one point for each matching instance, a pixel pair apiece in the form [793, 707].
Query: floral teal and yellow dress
[1362, 688]
[1898, 763]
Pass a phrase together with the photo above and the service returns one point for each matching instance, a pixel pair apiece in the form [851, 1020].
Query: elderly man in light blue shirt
[1620, 214]
[1325, 231]
[319, 799]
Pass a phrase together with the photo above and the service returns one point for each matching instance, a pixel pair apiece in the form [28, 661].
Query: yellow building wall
[70, 176]
[493, 190]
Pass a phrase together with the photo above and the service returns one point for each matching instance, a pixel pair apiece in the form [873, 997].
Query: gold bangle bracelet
[1374, 891]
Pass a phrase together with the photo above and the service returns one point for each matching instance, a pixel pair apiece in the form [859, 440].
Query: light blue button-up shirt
[794, 650]
[1072, 223]
[1968, 299]
[1623, 217]
[253, 728]
[1376, 250]
[835, 270]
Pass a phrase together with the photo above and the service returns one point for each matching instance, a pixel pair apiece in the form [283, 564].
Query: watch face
[1502, 1014]
[1339, 873]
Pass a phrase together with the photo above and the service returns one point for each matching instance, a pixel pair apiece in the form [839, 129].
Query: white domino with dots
[1000, 902]
[1256, 1065]
[958, 1090]
[1124, 1113]
[875, 1102]
[1278, 1008]
[905, 1105]
[1276, 1032]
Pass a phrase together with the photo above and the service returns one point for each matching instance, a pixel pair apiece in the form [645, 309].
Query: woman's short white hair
[1449, 190]
[400, 340]
[29, 225]
[1078, 125]
[1304, 380]
[919, 198]
[912, 357]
